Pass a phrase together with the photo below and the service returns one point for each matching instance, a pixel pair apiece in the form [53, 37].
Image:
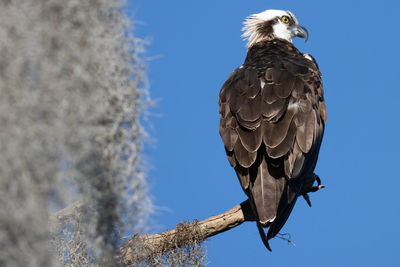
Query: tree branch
[141, 247]
[183, 234]
[146, 246]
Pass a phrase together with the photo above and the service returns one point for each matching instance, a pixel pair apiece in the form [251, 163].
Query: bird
[272, 119]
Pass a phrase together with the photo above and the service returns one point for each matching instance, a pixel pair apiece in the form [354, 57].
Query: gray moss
[72, 98]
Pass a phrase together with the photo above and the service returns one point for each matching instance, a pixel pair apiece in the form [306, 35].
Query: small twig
[287, 239]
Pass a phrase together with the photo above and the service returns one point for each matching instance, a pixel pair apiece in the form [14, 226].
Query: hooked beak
[300, 31]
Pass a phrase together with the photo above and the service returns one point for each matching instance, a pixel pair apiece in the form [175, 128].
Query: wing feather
[244, 176]
[268, 94]
[284, 147]
[275, 133]
[254, 88]
[251, 140]
[284, 86]
[305, 133]
[249, 108]
[244, 157]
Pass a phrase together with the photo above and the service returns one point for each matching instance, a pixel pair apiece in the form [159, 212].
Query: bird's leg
[310, 188]
[317, 187]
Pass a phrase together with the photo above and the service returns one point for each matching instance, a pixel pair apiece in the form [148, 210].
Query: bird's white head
[272, 24]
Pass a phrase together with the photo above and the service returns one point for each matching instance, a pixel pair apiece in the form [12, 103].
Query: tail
[272, 196]
[285, 207]
[259, 225]
[264, 238]
[286, 204]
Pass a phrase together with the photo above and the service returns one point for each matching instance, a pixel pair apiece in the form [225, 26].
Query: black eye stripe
[294, 20]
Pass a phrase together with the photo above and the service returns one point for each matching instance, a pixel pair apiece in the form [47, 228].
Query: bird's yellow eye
[285, 19]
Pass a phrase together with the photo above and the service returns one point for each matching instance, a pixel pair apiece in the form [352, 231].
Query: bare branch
[142, 247]
[183, 234]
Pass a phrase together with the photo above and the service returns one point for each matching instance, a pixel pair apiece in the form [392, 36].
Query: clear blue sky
[355, 220]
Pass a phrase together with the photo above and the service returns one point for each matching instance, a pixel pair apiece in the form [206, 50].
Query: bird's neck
[268, 50]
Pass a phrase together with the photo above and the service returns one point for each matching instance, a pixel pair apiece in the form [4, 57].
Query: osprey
[272, 119]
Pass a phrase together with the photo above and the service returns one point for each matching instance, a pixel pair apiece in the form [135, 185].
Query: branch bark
[183, 234]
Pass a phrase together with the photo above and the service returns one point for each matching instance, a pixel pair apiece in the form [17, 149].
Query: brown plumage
[272, 122]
